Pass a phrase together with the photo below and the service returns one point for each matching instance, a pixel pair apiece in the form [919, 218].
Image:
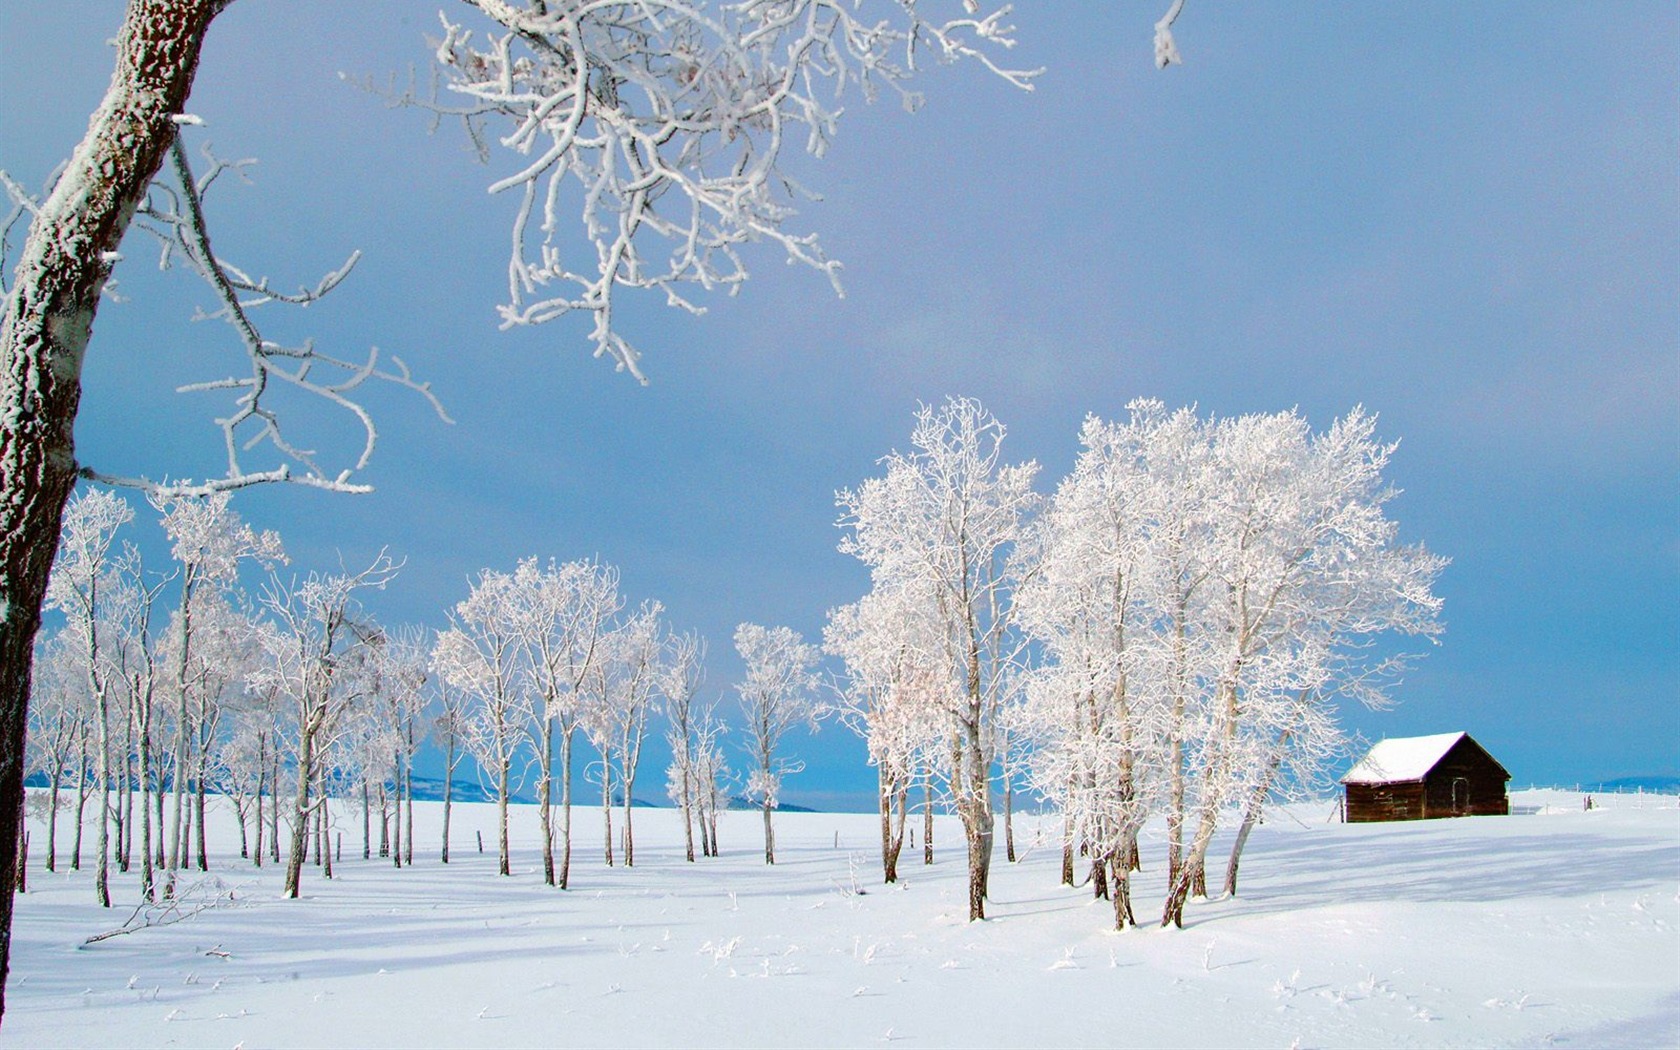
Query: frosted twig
[667, 123]
[174, 214]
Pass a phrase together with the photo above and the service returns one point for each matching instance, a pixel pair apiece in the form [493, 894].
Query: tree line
[1167, 634]
[162, 686]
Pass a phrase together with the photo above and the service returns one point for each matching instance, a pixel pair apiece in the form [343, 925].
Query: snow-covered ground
[1551, 927]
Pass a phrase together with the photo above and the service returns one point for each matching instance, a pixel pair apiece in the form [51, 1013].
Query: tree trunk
[396, 819]
[448, 794]
[1009, 822]
[300, 820]
[262, 783]
[1067, 851]
[81, 806]
[274, 810]
[503, 867]
[147, 874]
[769, 836]
[927, 822]
[688, 813]
[1251, 814]
[408, 814]
[889, 855]
[606, 802]
[198, 813]
[565, 808]
[44, 330]
[629, 821]
[367, 821]
[52, 820]
[545, 792]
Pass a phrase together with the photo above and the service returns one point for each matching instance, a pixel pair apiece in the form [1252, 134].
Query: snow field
[1553, 927]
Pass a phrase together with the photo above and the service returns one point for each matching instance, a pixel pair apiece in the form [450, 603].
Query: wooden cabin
[1422, 777]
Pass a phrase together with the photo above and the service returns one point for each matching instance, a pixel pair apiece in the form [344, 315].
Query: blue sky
[1464, 216]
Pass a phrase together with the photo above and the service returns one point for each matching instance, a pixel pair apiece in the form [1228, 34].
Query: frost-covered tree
[636, 650]
[479, 654]
[777, 694]
[57, 723]
[311, 658]
[684, 672]
[942, 526]
[565, 620]
[209, 541]
[1307, 571]
[713, 776]
[449, 729]
[890, 695]
[83, 568]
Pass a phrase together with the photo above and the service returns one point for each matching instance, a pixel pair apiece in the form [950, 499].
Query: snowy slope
[1556, 927]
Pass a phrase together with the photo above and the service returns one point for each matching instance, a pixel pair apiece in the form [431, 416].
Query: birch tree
[83, 568]
[943, 522]
[479, 654]
[777, 694]
[891, 697]
[566, 613]
[684, 673]
[311, 658]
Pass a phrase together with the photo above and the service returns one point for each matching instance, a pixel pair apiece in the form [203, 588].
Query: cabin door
[1460, 796]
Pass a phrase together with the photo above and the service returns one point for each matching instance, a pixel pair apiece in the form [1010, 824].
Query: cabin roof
[1401, 759]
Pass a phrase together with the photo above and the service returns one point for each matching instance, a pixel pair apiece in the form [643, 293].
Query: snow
[1401, 759]
[1551, 926]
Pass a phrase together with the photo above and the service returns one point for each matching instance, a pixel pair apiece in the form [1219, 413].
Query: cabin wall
[1374, 802]
[1479, 792]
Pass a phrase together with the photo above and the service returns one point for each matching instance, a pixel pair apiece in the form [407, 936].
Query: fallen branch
[200, 897]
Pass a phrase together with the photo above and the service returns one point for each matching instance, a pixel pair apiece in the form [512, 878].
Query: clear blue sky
[1464, 216]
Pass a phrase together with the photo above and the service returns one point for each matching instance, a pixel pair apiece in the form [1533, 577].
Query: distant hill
[737, 802]
[1662, 785]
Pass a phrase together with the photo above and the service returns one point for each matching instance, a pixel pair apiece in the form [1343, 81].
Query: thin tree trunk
[545, 790]
[687, 810]
[927, 821]
[81, 805]
[606, 802]
[367, 821]
[1251, 813]
[1067, 851]
[198, 811]
[52, 820]
[408, 818]
[274, 810]
[300, 817]
[1009, 822]
[503, 866]
[448, 794]
[629, 820]
[396, 818]
[769, 836]
[565, 807]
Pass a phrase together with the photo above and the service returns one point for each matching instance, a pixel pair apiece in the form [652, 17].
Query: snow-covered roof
[1402, 758]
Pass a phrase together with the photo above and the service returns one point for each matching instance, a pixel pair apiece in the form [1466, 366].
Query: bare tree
[777, 695]
[83, 567]
[312, 660]
[685, 673]
[942, 525]
[449, 729]
[479, 655]
[565, 616]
